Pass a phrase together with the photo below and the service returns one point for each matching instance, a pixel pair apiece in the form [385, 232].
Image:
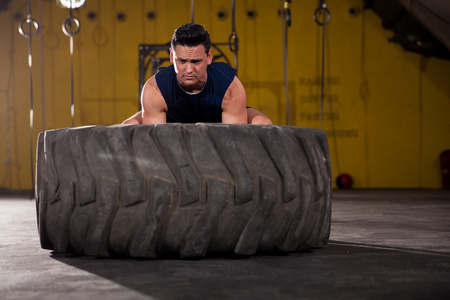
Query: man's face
[190, 65]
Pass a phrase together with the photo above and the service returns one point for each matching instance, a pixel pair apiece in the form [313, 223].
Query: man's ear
[171, 55]
[209, 56]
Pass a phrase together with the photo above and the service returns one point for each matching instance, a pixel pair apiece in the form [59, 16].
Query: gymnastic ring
[319, 10]
[233, 42]
[66, 23]
[32, 21]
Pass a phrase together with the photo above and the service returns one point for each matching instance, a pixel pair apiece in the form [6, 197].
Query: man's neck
[190, 91]
[194, 89]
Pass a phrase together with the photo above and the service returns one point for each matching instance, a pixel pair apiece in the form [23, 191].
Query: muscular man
[194, 89]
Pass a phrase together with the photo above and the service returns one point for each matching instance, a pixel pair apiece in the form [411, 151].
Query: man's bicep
[234, 105]
[234, 115]
[154, 118]
[153, 104]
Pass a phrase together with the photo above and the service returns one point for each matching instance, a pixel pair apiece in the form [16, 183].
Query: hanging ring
[233, 42]
[322, 9]
[69, 23]
[28, 20]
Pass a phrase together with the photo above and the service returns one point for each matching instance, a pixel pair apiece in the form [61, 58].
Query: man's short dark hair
[191, 35]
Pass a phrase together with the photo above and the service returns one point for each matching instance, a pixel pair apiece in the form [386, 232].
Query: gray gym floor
[391, 244]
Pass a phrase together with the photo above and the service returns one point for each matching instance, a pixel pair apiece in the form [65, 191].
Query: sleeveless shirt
[204, 106]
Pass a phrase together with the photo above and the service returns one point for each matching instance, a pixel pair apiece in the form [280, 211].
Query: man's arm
[234, 108]
[234, 104]
[134, 119]
[256, 117]
[153, 105]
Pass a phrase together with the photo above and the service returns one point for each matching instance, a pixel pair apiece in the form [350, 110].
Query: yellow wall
[386, 111]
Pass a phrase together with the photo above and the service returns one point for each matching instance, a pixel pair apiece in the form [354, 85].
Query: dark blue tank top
[205, 106]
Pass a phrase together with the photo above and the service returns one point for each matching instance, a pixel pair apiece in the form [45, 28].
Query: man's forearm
[256, 117]
[135, 119]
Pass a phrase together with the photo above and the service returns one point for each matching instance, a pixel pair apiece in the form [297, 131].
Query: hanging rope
[68, 23]
[41, 44]
[8, 160]
[233, 41]
[8, 170]
[192, 11]
[29, 35]
[285, 23]
[322, 10]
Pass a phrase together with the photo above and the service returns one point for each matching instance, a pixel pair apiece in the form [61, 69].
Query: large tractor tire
[182, 189]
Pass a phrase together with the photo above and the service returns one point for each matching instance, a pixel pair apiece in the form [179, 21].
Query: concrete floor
[392, 244]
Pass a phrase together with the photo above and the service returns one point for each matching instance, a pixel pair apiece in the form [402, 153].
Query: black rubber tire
[182, 189]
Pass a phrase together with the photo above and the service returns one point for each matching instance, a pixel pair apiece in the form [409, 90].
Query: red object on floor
[444, 158]
[344, 181]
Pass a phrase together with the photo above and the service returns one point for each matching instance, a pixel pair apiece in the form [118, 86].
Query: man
[194, 89]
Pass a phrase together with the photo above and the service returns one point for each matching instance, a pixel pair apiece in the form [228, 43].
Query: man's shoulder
[164, 74]
[165, 70]
[223, 69]
[220, 65]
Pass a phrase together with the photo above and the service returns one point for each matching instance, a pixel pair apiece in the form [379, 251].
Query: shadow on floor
[338, 271]
[16, 194]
